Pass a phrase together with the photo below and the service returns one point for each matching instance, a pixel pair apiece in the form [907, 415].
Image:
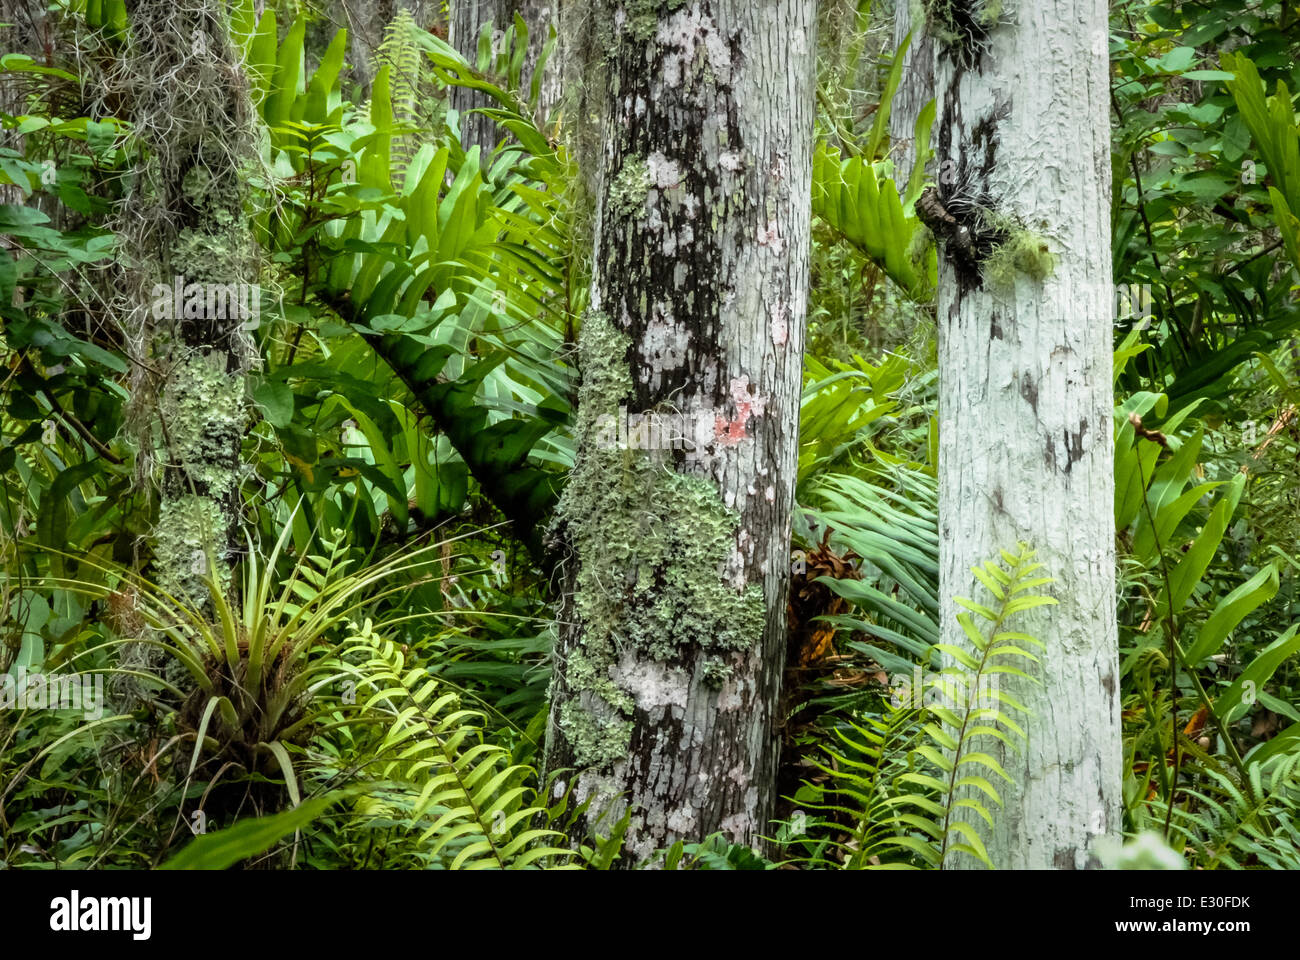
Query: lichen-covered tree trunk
[1025, 451]
[189, 279]
[673, 532]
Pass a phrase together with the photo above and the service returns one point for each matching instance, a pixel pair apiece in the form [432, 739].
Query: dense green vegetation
[369, 687]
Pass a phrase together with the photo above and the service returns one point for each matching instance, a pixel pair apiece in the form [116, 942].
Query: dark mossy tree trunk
[673, 533]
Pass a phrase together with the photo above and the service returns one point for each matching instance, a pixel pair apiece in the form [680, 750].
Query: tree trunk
[366, 21]
[184, 228]
[674, 528]
[915, 90]
[467, 20]
[1025, 451]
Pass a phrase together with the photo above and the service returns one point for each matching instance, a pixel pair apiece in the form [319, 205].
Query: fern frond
[466, 804]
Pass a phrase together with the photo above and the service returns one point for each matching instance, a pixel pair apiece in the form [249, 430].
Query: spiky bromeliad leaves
[1256, 824]
[904, 781]
[253, 666]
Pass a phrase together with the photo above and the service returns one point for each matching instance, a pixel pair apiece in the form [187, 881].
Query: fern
[891, 521]
[868, 767]
[435, 777]
[1008, 586]
[905, 779]
[453, 274]
[1245, 825]
[400, 52]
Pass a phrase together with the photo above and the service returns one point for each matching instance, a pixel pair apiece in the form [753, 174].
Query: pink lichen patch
[728, 433]
[770, 236]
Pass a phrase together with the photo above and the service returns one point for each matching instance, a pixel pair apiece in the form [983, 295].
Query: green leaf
[247, 838]
[1194, 563]
[1232, 705]
[275, 397]
[1259, 589]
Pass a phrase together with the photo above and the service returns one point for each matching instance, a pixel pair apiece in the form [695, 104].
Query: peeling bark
[1024, 125]
[697, 313]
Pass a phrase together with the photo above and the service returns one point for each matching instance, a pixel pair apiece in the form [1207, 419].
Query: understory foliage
[366, 684]
[900, 785]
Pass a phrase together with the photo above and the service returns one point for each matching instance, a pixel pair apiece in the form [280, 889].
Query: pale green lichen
[202, 411]
[628, 192]
[188, 542]
[1021, 251]
[651, 545]
[597, 741]
[642, 17]
[715, 673]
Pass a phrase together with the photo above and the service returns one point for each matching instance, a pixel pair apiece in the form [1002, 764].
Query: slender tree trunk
[915, 89]
[183, 230]
[467, 20]
[365, 21]
[1026, 402]
[674, 529]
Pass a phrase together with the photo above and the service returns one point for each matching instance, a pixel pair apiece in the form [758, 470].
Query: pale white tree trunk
[676, 549]
[915, 89]
[1025, 448]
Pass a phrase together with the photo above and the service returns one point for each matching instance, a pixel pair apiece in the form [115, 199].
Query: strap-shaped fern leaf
[854, 198]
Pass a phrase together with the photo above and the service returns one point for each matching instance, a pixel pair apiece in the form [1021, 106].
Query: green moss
[989, 12]
[627, 194]
[1022, 251]
[651, 544]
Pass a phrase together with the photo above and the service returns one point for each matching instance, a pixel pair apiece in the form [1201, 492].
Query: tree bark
[915, 90]
[467, 20]
[1025, 451]
[184, 228]
[674, 529]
